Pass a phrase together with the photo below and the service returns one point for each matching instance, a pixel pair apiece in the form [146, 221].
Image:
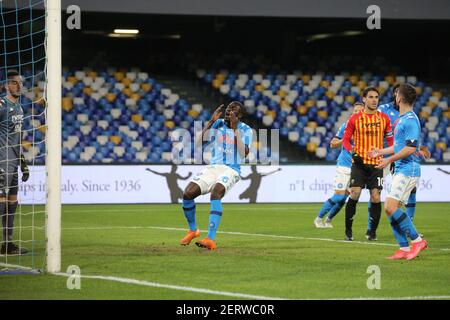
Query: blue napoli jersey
[345, 158]
[392, 113]
[407, 133]
[224, 148]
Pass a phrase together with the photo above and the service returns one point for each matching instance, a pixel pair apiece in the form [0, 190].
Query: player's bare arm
[335, 143]
[405, 152]
[215, 116]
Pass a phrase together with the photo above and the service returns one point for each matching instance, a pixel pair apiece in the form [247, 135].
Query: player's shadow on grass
[255, 178]
[172, 178]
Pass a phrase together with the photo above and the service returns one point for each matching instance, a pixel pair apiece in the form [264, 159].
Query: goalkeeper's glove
[357, 159]
[24, 168]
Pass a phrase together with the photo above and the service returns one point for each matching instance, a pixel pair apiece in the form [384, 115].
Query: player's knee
[390, 207]
[217, 192]
[354, 194]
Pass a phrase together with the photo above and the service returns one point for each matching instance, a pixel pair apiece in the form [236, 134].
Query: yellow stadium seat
[424, 115]
[146, 87]
[441, 145]
[350, 99]
[330, 94]
[127, 91]
[437, 94]
[216, 83]
[305, 78]
[311, 124]
[115, 139]
[322, 114]
[126, 82]
[87, 90]
[169, 124]
[324, 83]
[284, 103]
[271, 113]
[67, 103]
[26, 144]
[282, 93]
[257, 145]
[193, 113]
[419, 90]
[309, 103]
[42, 128]
[311, 147]
[362, 84]
[110, 97]
[447, 114]
[431, 104]
[390, 80]
[381, 90]
[135, 96]
[136, 118]
[92, 74]
[353, 79]
[302, 110]
[72, 80]
[220, 77]
[259, 87]
[119, 76]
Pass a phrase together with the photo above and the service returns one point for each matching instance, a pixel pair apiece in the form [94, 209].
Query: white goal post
[53, 148]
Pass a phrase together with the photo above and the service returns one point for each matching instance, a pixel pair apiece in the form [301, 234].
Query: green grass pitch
[264, 250]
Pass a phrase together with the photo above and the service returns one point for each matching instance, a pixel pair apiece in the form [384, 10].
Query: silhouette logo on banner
[444, 171]
[172, 177]
[255, 178]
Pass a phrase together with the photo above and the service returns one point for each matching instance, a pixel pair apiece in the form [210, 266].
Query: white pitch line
[244, 234]
[174, 287]
[215, 292]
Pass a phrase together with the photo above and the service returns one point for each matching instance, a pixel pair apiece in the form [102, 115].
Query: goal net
[30, 132]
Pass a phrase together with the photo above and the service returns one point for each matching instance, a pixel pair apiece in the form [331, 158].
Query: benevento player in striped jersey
[368, 129]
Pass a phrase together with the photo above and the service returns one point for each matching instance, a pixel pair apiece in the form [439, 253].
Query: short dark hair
[358, 103]
[407, 93]
[368, 89]
[11, 73]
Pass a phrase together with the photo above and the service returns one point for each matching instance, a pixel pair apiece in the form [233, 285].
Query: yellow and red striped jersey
[368, 132]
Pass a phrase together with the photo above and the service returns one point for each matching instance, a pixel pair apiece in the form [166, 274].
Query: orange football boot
[399, 254]
[207, 243]
[189, 237]
[416, 248]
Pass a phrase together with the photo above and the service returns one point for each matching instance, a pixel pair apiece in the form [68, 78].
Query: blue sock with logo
[189, 213]
[329, 204]
[369, 222]
[401, 220]
[338, 206]
[214, 218]
[411, 205]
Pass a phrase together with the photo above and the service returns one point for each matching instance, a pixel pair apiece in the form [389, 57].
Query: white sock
[406, 249]
[417, 240]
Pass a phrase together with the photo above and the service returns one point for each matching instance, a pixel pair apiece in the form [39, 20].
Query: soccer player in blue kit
[230, 140]
[391, 109]
[406, 157]
[341, 180]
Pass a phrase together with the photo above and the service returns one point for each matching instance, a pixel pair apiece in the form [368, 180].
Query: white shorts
[342, 178]
[386, 171]
[213, 174]
[401, 187]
